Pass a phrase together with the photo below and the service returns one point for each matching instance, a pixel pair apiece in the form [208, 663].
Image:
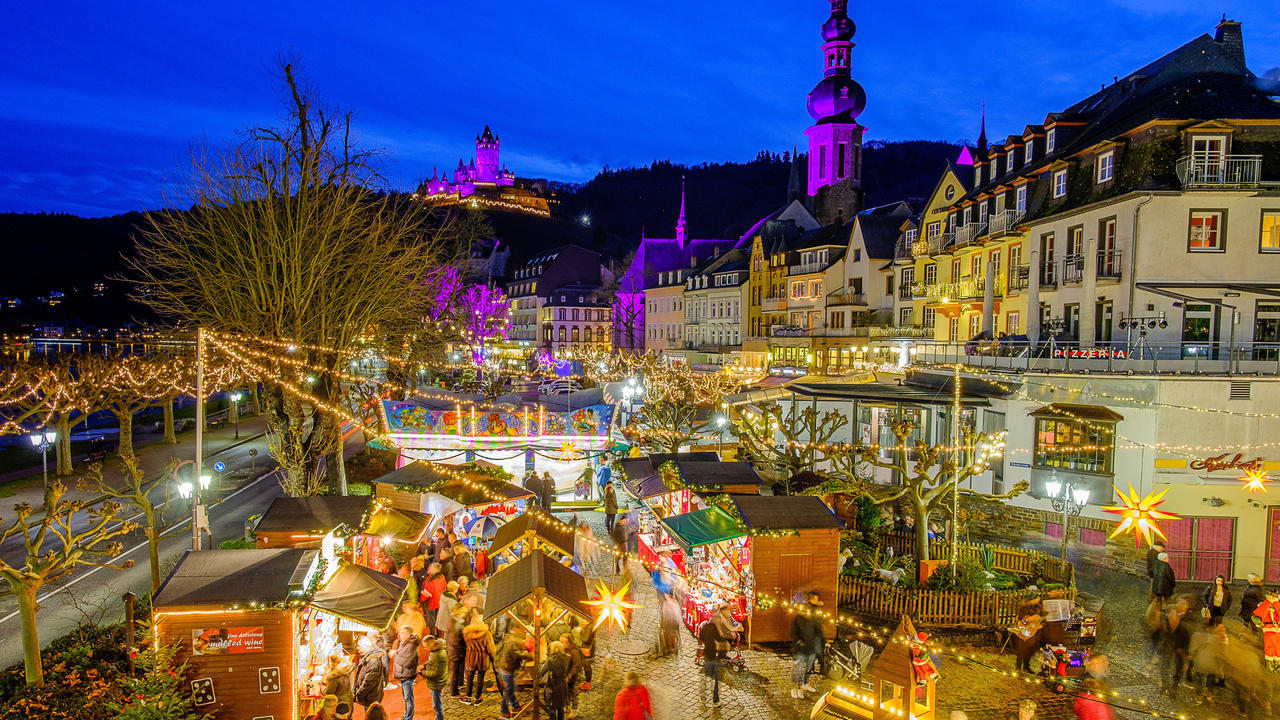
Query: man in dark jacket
[371, 674]
[1153, 556]
[711, 638]
[404, 666]
[1250, 599]
[511, 657]
[1175, 642]
[806, 643]
[1162, 578]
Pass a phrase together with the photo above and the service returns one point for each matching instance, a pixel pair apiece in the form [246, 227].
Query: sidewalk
[154, 458]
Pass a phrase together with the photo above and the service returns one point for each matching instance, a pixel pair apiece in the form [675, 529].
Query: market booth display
[899, 684]
[456, 498]
[257, 627]
[373, 524]
[714, 556]
[794, 549]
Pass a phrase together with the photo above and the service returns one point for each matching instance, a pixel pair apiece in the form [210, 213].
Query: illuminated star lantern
[612, 605]
[569, 450]
[1140, 516]
[1255, 480]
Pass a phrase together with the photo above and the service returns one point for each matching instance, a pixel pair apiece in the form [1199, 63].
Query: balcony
[966, 288]
[1019, 277]
[905, 292]
[805, 269]
[1048, 272]
[901, 331]
[847, 299]
[791, 331]
[902, 251]
[1219, 171]
[1109, 262]
[773, 304]
[1072, 269]
[1005, 222]
[968, 234]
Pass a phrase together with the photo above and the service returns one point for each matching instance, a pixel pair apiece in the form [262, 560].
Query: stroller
[732, 657]
[844, 659]
[1062, 668]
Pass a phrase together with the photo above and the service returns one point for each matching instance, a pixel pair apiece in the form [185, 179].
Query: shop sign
[226, 641]
[1226, 462]
[1090, 353]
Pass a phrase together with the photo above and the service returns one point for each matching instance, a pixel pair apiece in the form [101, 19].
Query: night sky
[100, 103]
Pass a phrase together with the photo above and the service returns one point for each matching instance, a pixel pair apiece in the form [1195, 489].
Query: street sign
[219, 466]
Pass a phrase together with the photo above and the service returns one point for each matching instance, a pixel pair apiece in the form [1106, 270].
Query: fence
[930, 607]
[1006, 559]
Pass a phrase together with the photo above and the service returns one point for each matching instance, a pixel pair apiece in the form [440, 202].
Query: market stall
[456, 499]
[899, 683]
[533, 530]
[258, 626]
[795, 549]
[716, 561]
[374, 525]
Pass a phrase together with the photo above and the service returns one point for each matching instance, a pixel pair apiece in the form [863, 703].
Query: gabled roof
[551, 532]
[226, 577]
[515, 582]
[313, 515]
[715, 474]
[879, 234]
[785, 512]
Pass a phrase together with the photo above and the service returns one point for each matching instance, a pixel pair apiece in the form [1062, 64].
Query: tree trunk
[257, 402]
[153, 552]
[169, 435]
[125, 446]
[27, 608]
[922, 532]
[335, 465]
[63, 444]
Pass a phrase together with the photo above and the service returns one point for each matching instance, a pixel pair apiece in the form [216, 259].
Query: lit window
[1020, 199]
[1060, 183]
[1270, 240]
[1026, 154]
[1106, 165]
[1075, 445]
[1205, 232]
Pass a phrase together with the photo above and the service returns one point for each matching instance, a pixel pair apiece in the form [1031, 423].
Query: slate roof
[313, 515]
[552, 533]
[516, 581]
[225, 577]
[716, 474]
[879, 235]
[785, 512]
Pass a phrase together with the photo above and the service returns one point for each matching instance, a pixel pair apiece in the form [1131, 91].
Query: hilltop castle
[484, 183]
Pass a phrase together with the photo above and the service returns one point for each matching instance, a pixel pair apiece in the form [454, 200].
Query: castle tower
[835, 138]
[680, 223]
[487, 165]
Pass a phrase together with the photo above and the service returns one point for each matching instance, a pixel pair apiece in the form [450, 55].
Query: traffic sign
[219, 466]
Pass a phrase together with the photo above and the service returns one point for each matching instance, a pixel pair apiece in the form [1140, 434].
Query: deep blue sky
[100, 102]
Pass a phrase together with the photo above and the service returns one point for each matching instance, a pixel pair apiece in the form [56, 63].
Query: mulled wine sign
[226, 641]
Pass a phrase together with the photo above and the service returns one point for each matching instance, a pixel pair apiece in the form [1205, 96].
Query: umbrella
[482, 526]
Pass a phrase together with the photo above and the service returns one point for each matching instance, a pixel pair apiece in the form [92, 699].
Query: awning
[701, 527]
[362, 595]
[1071, 411]
[403, 525]
[516, 582]
[551, 532]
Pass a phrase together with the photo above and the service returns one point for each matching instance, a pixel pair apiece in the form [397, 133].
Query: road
[94, 594]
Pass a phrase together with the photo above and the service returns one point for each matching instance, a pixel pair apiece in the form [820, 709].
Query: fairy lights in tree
[483, 314]
[1140, 515]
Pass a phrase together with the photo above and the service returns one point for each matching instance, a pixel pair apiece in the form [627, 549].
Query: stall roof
[416, 474]
[647, 487]
[1071, 411]
[313, 515]
[550, 531]
[426, 476]
[637, 469]
[366, 596]
[659, 458]
[699, 474]
[406, 525]
[224, 577]
[516, 581]
[882, 393]
[785, 512]
[701, 527]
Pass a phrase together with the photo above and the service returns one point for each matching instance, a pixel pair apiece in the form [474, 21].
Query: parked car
[559, 386]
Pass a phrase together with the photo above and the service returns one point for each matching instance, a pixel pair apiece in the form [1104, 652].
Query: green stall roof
[702, 527]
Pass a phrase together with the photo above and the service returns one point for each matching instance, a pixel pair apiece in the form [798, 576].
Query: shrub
[238, 544]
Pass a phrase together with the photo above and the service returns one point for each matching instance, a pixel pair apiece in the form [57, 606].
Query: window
[975, 265]
[857, 254]
[1106, 166]
[1205, 233]
[815, 288]
[953, 330]
[968, 214]
[1075, 240]
[1060, 183]
[822, 161]
[1270, 238]
[955, 270]
[1013, 323]
[930, 274]
[561, 333]
[911, 235]
[575, 314]
[1013, 158]
[888, 285]
[935, 230]
[904, 317]
[1050, 140]
[929, 314]
[975, 325]
[563, 314]
[977, 174]
[982, 212]
[1020, 199]
[575, 333]
[1026, 154]
[840, 166]
[1075, 445]
[836, 320]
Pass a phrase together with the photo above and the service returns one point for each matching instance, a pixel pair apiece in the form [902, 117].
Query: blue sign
[1015, 464]
[219, 466]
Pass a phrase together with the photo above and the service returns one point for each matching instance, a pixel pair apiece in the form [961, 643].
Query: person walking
[457, 648]
[669, 624]
[610, 508]
[480, 651]
[1268, 615]
[585, 639]
[404, 666]
[618, 533]
[1208, 656]
[1217, 598]
[574, 676]
[444, 612]
[1162, 579]
[435, 673]
[715, 640]
[632, 702]
[533, 484]
[511, 658]
[548, 491]
[433, 590]
[806, 641]
[1153, 554]
[461, 560]
[1090, 703]
[371, 674]
[1175, 642]
[555, 674]
[1250, 599]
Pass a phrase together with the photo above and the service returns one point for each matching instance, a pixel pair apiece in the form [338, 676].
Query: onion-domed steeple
[837, 93]
[835, 139]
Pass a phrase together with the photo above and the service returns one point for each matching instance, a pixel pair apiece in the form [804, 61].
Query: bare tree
[291, 239]
[137, 491]
[53, 549]
[789, 442]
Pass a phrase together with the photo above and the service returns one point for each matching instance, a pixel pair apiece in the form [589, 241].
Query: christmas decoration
[613, 605]
[1140, 515]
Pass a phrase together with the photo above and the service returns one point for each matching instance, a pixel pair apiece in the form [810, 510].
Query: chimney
[693, 261]
[1231, 38]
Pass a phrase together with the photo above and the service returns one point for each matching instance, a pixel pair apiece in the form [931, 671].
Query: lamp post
[42, 439]
[235, 411]
[1069, 500]
[191, 491]
[720, 423]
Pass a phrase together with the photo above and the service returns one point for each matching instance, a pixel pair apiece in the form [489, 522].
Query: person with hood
[404, 665]
[337, 679]
[435, 673]
[610, 507]
[444, 613]
[371, 673]
[1268, 617]
[1217, 598]
[1162, 579]
[1250, 599]
[433, 590]
[806, 643]
[511, 658]
[555, 675]
[632, 702]
[480, 652]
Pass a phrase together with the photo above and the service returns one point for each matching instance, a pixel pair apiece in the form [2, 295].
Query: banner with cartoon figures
[406, 418]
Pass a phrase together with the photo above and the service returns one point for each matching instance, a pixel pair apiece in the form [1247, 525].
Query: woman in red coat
[1090, 705]
[632, 702]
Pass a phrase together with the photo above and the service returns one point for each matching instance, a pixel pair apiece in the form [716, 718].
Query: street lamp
[42, 439]
[188, 490]
[1069, 500]
[720, 423]
[235, 411]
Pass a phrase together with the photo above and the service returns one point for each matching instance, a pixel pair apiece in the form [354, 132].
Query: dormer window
[911, 235]
[1106, 166]
[1013, 159]
[977, 174]
[968, 214]
[1026, 154]
[1020, 201]
[1050, 140]
[1060, 183]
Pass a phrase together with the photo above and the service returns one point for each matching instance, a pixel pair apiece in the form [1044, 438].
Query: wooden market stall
[899, 684]
[712, 477]
[795, 549]
[714, 556]
[533, 530]
[257, 626]
[454, 498]
[373, 523]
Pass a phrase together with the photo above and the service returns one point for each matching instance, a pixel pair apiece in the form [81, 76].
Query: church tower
[487, 167]
[681, 224]
[835, 138]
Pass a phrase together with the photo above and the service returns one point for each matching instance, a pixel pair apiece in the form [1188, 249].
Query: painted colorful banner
[405, 417]
[226, 641]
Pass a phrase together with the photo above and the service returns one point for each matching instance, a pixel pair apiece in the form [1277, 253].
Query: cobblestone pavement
[983, 688]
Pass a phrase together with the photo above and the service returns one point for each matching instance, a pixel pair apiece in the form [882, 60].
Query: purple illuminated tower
[487, 167]
[835, 138]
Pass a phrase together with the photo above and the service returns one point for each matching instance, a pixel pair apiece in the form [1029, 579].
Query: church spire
[982, 132]
[680, 223]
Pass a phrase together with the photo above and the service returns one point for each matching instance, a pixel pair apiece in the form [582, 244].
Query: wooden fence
[1006, 559]
[930, 608]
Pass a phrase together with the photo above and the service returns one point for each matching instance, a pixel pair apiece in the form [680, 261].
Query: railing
[901, 331]
[791, 331]
[1005, 221]
[805, 268]
[930, 608]
[847, 299]
[902, 251]
[1072, 269]
[1213, 170]
[966, 234]
[970, 287]
[905, 292]
[1019, 277]
[1109, 263]
[1048, 272]
[1128, 353]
